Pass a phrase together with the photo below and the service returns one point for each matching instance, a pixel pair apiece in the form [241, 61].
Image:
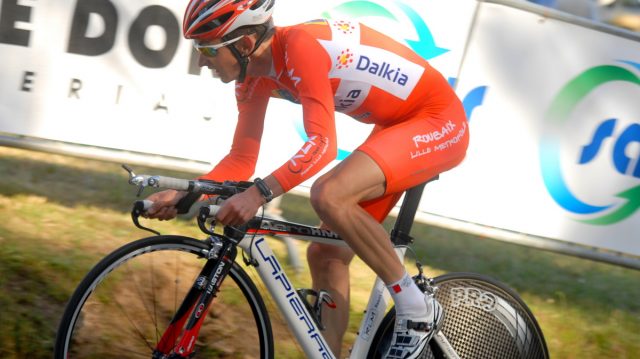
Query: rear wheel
[483, 319]
[125, 303]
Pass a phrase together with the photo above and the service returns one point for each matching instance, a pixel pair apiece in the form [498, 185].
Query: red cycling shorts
[415, 150]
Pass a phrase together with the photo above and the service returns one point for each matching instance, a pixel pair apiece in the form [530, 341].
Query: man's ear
[246, 44]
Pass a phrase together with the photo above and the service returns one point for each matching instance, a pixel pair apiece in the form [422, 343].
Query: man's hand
[241, 207]
[164, 204]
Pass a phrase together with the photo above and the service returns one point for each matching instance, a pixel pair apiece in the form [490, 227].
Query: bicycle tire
[119, 310]
[483, 319]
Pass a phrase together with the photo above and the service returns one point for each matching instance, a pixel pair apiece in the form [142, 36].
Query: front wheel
[483, 319]
[123, 306]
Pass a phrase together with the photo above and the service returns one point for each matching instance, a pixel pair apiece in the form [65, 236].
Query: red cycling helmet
[212, 19]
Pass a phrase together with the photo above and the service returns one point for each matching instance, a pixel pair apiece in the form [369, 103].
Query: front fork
[178, 340]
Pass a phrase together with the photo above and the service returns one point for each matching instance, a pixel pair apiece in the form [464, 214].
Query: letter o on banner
[150, 16]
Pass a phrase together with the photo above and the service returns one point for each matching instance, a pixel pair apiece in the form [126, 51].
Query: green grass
[59, 215]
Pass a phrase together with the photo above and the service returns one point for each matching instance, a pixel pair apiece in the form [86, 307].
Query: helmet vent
[259, 3]
[213, 24]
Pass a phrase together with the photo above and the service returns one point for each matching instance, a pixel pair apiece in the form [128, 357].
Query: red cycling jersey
[331, 65]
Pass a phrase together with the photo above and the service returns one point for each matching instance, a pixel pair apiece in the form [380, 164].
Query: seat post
[400, 234]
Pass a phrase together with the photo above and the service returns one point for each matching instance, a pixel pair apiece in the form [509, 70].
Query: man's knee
[326, 196]
[323, 196]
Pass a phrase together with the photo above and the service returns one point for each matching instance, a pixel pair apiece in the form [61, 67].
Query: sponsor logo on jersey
[345, 27]
[374, 66]
[310, 154]
[350, 95]
[434, 135]
[345, 59]
[384, 70]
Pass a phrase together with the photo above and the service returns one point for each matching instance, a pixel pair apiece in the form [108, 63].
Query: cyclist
[420, 130]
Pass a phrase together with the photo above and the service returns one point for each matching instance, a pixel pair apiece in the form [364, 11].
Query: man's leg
[329, 267]
[336, 196]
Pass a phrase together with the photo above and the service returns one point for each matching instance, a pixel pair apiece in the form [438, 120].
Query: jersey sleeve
[239, 164]
[308, 65]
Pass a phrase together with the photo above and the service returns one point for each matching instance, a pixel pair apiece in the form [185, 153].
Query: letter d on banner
[79, 42]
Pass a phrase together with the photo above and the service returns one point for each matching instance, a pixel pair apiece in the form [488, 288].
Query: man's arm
[308, 66]
[240, 163]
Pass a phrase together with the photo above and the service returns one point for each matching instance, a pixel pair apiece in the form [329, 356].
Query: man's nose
[202, 60]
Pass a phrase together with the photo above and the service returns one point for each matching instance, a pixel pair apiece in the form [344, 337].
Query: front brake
[139, 207]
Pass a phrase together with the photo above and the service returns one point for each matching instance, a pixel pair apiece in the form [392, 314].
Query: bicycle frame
[289, 302]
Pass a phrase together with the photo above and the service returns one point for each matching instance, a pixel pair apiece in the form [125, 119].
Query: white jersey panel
[355, 62]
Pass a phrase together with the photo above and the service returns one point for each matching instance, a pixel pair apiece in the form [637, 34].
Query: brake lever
[139, 207]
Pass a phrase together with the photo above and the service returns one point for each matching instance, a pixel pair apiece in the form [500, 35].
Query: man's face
[219, 59]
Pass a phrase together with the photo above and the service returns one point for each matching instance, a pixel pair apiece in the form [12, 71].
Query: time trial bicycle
[170, 296]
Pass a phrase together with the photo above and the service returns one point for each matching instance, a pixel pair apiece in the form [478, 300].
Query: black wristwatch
[265, 191]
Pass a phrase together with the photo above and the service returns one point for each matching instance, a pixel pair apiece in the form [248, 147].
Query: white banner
[552, 106]
[116, 75]
[555, 145]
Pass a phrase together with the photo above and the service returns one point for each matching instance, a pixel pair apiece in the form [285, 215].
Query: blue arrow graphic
[426, 45]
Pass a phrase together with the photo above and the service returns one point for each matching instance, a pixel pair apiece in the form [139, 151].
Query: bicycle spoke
[129, 352]
[136, 329]
[141, 295]
[175, 285]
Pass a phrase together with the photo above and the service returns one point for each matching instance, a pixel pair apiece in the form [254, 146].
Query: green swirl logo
[561, 109]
